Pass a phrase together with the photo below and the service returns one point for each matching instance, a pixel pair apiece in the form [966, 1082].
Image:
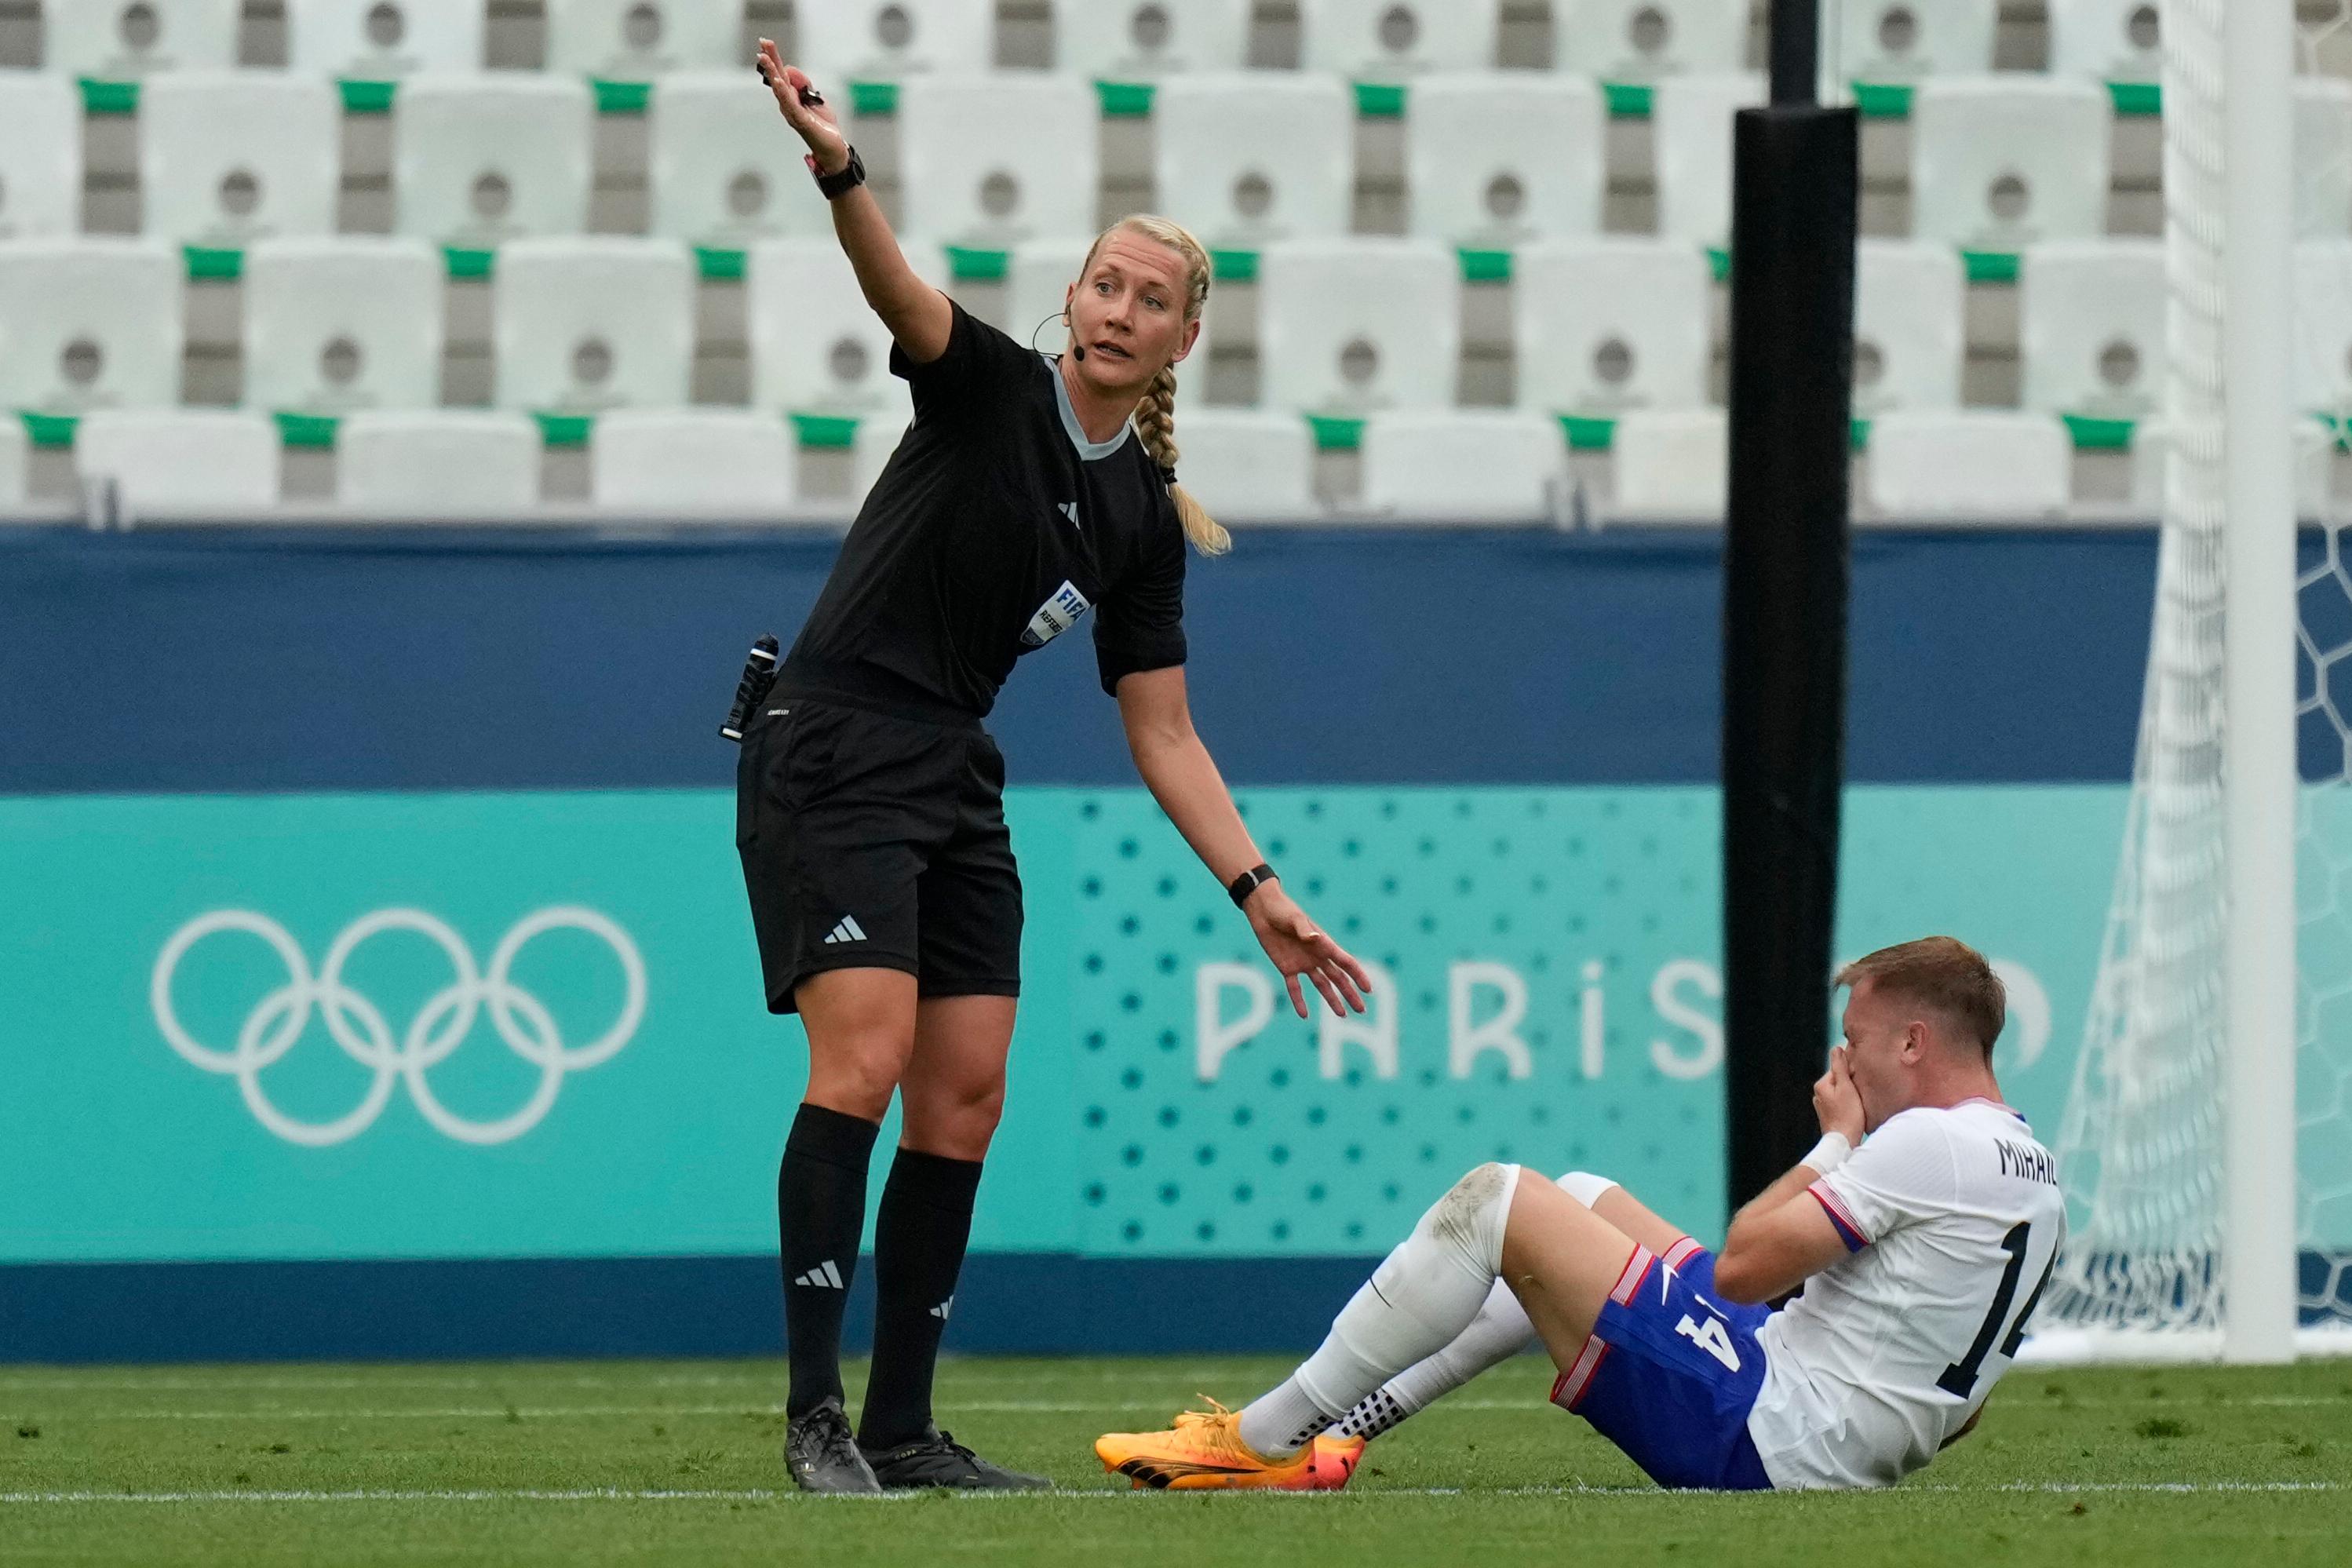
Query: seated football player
[1921, 1230]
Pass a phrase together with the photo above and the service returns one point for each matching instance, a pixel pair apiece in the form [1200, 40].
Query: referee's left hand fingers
[1297, 997]
[1330, 991]
[1344, 982]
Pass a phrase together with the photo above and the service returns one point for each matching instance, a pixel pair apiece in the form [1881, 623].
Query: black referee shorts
[876, 840]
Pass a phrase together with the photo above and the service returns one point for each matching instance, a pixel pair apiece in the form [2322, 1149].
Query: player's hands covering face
[1836, 1100]
[1299, 948]
[817, 123]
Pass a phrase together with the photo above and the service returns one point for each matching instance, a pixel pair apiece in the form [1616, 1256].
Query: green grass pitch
[677, 1462]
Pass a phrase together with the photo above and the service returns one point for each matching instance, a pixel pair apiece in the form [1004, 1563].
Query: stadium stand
[159, 462]
[428, 464]
[1690, 120]
[1247, 462]
[1903, 41]
[1249, 159]
[383, 40]
[1638, 41]
[229, 157]
[1975, 464]
[1461, 465]
[886, 40]
[585, 325]
[1350, 326]
[2323, 158]
[2314, 454]
[1495, 160]
[89, 324]
[341, 323]
[1391, 41]
[719, 175]
[1910, 334]
[1144, 40]
[482, 159]
[2091, 318]
[636, 40]
[1672, 465]
[2323, 330]
[979, 177]
[1610, 325]
[124, 41]
[714, 461]
[817, 351]
[15, 454]
[2003, 162]
[40, 156]
[2115, 41]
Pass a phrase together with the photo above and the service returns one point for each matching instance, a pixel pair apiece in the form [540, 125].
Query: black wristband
[1249, 882]
[852, 175]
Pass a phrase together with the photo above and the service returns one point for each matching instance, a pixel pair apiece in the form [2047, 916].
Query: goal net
[2160, 1177]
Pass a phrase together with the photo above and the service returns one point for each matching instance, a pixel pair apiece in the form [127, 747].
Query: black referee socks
[820, 1213]
[918, 1243]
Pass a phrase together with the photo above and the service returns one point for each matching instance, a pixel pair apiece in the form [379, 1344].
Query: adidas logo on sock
[847, 930]
[824, 1277]
[940, 1311]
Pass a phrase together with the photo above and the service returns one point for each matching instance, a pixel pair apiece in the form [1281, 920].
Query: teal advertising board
[528, 1025]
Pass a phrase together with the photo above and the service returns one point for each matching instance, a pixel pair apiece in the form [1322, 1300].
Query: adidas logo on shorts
[847, 930]
[824, 1277]
[940, 1311]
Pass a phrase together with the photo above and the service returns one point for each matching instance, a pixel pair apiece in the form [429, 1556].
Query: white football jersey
[1951, 1218]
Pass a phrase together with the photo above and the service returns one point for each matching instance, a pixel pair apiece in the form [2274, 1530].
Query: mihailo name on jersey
[2030, 1161]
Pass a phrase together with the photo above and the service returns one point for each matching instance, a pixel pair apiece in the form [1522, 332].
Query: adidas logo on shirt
[847, 930]
[940, 1311]
[824, 1277]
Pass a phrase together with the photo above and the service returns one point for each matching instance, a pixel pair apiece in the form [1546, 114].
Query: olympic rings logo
[361, 1030]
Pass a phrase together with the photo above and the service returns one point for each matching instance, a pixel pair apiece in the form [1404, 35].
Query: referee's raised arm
[917, 315]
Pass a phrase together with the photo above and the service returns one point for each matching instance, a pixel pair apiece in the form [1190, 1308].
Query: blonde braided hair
[1155, 414]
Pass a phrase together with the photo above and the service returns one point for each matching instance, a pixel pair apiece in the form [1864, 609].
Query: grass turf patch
[677, 1462]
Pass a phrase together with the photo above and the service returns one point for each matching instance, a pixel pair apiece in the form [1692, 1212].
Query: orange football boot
[1203, 1451]
[1334, 1462]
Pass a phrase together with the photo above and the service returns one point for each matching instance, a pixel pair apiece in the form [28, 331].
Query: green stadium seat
[1249, 158]
[230, 157]
[40, 156]
[706, 462]
[1494, 160]
[214, 463]
[1350, 326]
[584, 325]
[1609, 325]
[343, 323]
[89, 324]
[1910, 327]
[423, 465]
[482, 158]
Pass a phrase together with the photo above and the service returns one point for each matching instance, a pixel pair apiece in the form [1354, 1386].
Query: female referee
[870, 800]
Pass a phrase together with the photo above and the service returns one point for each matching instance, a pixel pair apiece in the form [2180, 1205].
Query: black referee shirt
[996, 527]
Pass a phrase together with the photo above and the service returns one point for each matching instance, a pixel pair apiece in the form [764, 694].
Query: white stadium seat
[229, 157]
[2107, 40]
[2323, 158]
[2315, 457]
[1396, 40]
[2090, 326]
[720, 174]
[2323, 327]
[437, 463]
[1672, 465]
[341, 323]
[1251, 158]
[889, 40]
[1970, 466]
[118, 40]
[1645, 40]
[15, 459]
[976, 173]
[89, 324]
[195, 462]
[636, 40]
[1350, 326]
[1497, 159]
[1903, 40]
[2001, 162]
[1910, 327]
[1462, 465]
[1609, 325]
[870, 450]
[671, 461]
[381, 41]
[482, 158]
[585, 325]
[40, 155]
[1144, 40]
[816, 346]
[1691, 116]
[1247, 465]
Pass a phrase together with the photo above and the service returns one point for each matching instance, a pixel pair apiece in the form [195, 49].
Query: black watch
[1249, 882]
[836, 186]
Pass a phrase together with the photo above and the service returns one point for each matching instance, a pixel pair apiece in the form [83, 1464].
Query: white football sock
[1419, 1300]
[1500, 1331]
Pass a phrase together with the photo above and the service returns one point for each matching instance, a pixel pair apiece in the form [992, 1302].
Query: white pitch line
[620, 1494]
[555, 1412]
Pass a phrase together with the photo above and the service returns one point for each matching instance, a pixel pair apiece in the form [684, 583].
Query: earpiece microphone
[1077, 349]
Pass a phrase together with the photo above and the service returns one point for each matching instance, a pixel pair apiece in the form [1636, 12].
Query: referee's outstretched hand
[806, 110]
[1300, 947]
